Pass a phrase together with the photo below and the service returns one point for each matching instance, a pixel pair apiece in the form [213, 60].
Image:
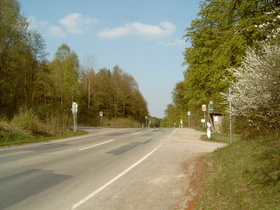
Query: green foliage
[219, 38]
[122, 123]
[171, 116]
[116, 93]
[29, 81]
[64, 75]
[9, 135]
[13, 137]
[244, 175]
[20, 53]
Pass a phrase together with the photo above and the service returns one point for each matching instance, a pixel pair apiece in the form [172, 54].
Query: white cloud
[33, 23]
[140, 29]
[75, 23]
[175, 42]
[56, 31]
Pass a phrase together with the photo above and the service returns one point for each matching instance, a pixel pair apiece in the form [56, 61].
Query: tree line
[224, 37]
[29, 81]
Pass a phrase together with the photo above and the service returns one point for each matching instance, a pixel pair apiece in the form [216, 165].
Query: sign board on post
[74, 108]
[189, 118]
[211, 106]
[204, 108]
[101, 115]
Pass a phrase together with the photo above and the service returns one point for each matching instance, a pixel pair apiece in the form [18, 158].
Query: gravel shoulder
[163, 180]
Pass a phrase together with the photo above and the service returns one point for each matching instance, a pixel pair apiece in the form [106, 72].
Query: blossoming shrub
[256, 90]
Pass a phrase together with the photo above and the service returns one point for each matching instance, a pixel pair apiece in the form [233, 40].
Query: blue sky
[142, 37]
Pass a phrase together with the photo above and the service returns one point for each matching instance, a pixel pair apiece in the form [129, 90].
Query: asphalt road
[106, 169]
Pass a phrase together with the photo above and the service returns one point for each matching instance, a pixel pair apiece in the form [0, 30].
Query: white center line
[136, 133]
[112, 180]
[96, 145]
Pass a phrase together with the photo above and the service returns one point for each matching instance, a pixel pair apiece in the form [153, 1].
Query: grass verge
[216, 137]
[243, 175]
[17, 137]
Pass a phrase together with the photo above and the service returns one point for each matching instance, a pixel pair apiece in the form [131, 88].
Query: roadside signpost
[181, 123]
[75, 111]
[204, 110]
[211, 107]
[101, 115]
[229, 95]
[146, 121]
[189, 116]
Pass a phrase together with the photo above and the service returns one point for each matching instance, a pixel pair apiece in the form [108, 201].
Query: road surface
[106, 169]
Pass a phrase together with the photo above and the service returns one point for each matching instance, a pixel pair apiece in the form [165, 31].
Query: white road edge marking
[112, 180]
[96, 145]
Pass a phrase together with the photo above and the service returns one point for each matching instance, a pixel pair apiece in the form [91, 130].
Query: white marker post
[208, 130]
[189, 116]
[75, 111]
[181, 123]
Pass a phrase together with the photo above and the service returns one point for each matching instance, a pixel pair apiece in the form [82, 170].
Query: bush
[256, 87]
[26, 120]
[30, 123]
[121, 123]
[8, 134]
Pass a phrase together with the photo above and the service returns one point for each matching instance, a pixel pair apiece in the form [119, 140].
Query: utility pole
[229, 95]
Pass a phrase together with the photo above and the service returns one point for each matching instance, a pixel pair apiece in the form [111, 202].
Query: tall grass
[27, 127]
[28, 122]
[243, 175]
[121, 123]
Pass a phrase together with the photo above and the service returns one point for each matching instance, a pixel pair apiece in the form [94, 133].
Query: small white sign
[203, 120]
[216, 119]
[101, 114]
[204, 108]
[74, 108]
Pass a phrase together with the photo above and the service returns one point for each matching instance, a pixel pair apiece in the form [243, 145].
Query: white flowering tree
[271, 28]
[256, 89]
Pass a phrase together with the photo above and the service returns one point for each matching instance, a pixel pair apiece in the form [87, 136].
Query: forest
[31, 85]
[234, 44]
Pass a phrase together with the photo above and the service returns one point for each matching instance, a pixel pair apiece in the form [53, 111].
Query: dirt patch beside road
[193, 167]
[196, 182]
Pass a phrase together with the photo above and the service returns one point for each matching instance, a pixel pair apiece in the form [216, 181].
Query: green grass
[16, 137]
[216, 137]
[243, 175]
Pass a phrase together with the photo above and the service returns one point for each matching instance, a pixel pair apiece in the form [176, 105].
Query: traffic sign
[74, 108]
[204, 107]
[101, 114]
[211, 106]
